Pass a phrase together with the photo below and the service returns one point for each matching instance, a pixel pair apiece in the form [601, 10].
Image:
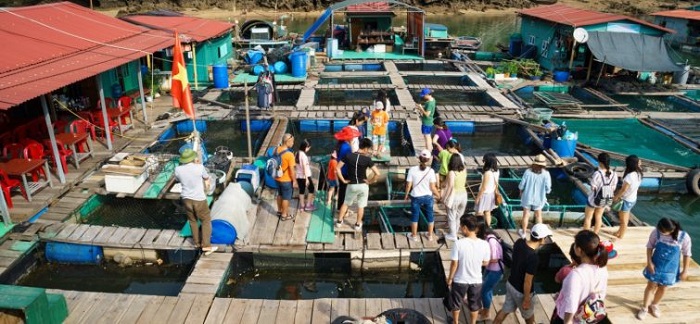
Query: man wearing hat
[194, 179]
[534, 187]
[426, 109]
[520, 288]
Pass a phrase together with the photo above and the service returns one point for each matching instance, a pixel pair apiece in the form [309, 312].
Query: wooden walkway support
[116, 237]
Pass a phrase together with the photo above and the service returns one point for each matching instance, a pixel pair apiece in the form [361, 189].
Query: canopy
[631, 51]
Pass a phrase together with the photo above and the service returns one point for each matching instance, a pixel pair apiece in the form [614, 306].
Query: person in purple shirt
[441, 137]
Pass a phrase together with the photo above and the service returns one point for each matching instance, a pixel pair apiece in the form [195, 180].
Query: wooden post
[573, 52]
[107, 130]
[194, 64]
[52, 137]
[590, 67]
[247, 121]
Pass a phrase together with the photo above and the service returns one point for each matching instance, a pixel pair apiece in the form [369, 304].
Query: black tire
[580, 170]
[692, 181]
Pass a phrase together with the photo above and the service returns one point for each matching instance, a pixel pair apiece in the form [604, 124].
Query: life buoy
[580, 170]
[692, 181]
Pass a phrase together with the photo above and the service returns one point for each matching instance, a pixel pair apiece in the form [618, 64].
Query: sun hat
[187, 156]
[540, 231]
[609, 248]
[378, 105]
[540, 160]
[347, 133]
[425, 154]
[425, 92]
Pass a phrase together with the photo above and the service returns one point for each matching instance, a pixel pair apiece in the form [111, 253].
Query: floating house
[370, 25]
[547, 34]
[686, 23]
[205, 42]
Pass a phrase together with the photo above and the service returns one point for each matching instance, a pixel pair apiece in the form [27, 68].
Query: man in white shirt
[468, 255]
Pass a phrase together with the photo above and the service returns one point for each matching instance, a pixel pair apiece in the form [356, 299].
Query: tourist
[380, 120]
[493, 272]
[357, 183]
[520, 292]
[194, 179]
[331, 178]
[566, 270]
[383, 99]
[603, 184]
[357, 123]
[667, 242]
[426, 109]
[421, 187]
[304, 177]
[345, 137]
[451, 147]
[631, 180]
[485, 200]
[468, 255]
[534, 187]
[441, 137]
[455, 197]
[285, 183]
[589, 277]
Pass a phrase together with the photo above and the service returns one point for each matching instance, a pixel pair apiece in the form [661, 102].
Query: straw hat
[347, 133]
[540, 160]
[187, 156]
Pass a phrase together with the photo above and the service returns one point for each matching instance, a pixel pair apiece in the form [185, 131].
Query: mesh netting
[137, 213]
[629, 136]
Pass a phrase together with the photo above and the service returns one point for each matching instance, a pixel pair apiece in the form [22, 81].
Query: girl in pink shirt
[590, 276]
[494, 270]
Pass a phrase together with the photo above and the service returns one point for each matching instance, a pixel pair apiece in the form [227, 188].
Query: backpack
[592, 310]
[507, 259]
[273, 166]
[606, 192]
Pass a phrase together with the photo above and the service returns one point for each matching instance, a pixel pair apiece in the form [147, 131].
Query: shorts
[425, 202]
[472, 292]
[305, 184]
[332, 183]
[533, 207]
[285, 190]
[357, 194]
[627, 205]
[378, 139]
[514, 299]
[426, 130]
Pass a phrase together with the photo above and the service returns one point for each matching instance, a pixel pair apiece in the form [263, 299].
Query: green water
[355, 80]
[654, 103]
[684, 208]
[137, 213]
[351, 97]
[226, 133]
[330, 276]
[507, 142]
[439, 80]
[286, 97]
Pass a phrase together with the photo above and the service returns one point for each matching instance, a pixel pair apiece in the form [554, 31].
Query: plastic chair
[35, 151]
[63, 153]
[7, 185]
[97, 120]
[109, 103]
[125, 102]
[13, 151]
[81, 126]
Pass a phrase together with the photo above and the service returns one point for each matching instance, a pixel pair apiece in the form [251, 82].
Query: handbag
[617, 206]
[498, 197]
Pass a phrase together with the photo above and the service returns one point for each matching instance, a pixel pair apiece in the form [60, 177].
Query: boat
[469, 43]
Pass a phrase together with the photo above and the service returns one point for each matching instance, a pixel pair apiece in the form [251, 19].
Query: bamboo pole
[247, 121]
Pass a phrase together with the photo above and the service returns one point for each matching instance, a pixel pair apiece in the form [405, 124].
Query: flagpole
[247, 121]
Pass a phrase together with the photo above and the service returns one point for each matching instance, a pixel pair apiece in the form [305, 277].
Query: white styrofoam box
[380, 48]
[123, 183]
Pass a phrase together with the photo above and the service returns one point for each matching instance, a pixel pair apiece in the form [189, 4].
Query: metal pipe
[105, 119]
[52, 137]
[247, 120]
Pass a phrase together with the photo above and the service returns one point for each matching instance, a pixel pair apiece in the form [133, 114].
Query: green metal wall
[129, 73]
[679, 25]
[210, 52]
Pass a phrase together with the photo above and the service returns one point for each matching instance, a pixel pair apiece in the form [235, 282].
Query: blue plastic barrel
[73, 253]
[560, 76]
[461, 127]
[220, 73]
[258, 69]
[116, 90]
[298, 60]
[184, 127]
[564, 148]
[516, 45]
[280, 67]
[372, 67]
[222, 232]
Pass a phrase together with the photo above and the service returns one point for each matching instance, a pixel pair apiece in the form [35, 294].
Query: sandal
[287, 217]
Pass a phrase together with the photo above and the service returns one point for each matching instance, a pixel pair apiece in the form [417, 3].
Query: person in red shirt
[331, 178]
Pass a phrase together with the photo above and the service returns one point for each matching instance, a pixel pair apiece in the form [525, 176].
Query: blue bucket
[280, 67]
[220, 74]
[222, 232]
[561, 76]
[564, 148]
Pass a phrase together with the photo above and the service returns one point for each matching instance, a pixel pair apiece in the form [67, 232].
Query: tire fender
[692, 181]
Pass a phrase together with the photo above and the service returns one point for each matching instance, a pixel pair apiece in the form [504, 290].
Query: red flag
[180, 90]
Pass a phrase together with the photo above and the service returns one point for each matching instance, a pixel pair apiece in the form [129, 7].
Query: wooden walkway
[116, 237]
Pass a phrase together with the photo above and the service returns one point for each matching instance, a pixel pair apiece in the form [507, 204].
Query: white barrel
[681, 77]
[232, 207]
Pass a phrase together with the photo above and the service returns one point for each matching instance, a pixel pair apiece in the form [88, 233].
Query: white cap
[425, 154]
[540, 231]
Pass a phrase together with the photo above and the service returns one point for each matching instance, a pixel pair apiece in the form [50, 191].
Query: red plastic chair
[109, 103]
[7, 185]
[98, 121]
[13, 151]
[35, 151]
[63, 153]
[81, 126]
[125, 102]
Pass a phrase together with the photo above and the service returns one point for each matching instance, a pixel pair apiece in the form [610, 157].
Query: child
[379, 121]
[303, 176]
[444, 156]
[666, 244]
[331, 178]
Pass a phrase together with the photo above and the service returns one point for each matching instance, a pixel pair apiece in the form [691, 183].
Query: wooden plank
[98, 308]
[136, 307]
[357, 308]
[117, 309]
[300, 229]
[78, 233]
[167, 307]
[354, 241]
[339, 307]
[283, 234]
[163, 238]
[373, 307]
[374, 241]
[268, 312]
[148, 238]
[66, 231]
[402, 241]
[422, 306]
[91, 233]
[251, 313]
[388, 241]
[286, 310]
[304, 312]
[104, 235]
[118, 235]
[321, 311]
[150, 310]
[82, 307]
[217, 312]
[438, 310]
[133, 236]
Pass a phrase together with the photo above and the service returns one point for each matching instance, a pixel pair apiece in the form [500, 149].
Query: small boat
[470, 43]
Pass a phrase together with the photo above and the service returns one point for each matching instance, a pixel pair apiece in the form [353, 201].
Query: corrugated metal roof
[679, 13]
[197, 29]
[57, 44]
[563, 14]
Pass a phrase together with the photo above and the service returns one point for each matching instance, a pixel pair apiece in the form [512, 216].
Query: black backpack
[507, 259]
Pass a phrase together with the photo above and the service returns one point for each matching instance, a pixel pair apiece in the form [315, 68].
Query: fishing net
[629, 136]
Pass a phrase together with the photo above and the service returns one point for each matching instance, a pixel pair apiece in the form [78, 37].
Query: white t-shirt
[191, 176]
[470, 254]
[633, 179]
[490, 187]
[421, 187]
[303, 168]
[355, 142]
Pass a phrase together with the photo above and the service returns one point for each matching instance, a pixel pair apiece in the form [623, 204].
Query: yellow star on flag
[181, 76]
